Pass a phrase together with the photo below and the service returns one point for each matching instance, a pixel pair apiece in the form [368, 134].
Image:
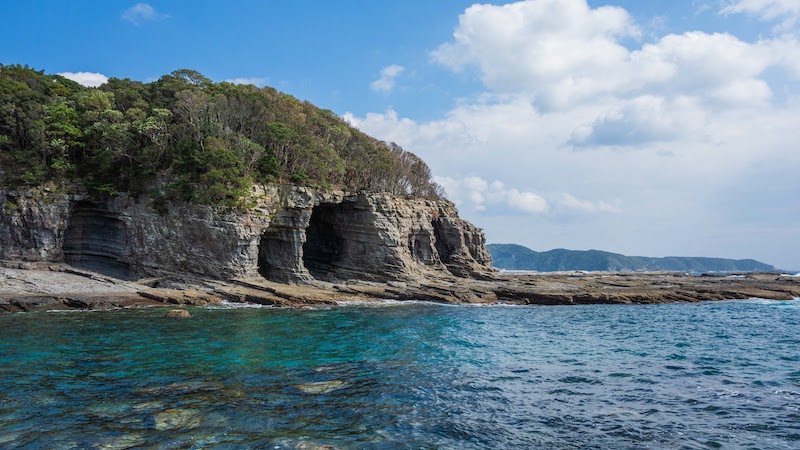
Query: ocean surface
[410, 375]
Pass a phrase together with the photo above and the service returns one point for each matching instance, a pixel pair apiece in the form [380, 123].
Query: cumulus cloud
[767, 10]
[554, 48]
[564, 53]
[141, 13]
[88, 79]
[479, 194]
[255, 81]
[385, 83]
[495, 198]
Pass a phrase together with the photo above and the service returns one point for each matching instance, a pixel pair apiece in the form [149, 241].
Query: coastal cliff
[292, 235]
[297, 246]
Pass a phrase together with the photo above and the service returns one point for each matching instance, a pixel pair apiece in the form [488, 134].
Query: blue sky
[642, 127]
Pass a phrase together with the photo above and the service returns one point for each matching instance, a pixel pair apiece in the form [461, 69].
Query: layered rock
[294, 234]
[32, 225]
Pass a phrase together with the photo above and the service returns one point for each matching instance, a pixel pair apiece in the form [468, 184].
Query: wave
[793, 303]
[235, 305]
[382, 303]
[394, 303]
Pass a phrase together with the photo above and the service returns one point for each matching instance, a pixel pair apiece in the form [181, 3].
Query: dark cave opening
[95, 239]
[277, 255]
[323, 246]
[266, 254]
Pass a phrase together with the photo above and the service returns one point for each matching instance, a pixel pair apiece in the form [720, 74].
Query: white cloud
[694, 61]
[555, 49]
[571, 202]
[767, 10]
[475, 194]
[255, 81]
[640, 121]
[480, 195]
[385, 83]
[88, 79]
[564, 53]
[141, 13]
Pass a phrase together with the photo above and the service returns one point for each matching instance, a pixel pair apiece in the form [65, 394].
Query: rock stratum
[298, 246]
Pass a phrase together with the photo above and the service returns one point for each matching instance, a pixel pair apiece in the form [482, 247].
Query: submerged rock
[176, 418]
[178, 314]
[121, 442]
[322, 387]
[301, 444]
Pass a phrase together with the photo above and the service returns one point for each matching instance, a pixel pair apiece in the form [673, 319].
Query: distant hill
[517, 257]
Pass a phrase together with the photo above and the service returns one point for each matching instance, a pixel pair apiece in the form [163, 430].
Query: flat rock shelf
[38, 287]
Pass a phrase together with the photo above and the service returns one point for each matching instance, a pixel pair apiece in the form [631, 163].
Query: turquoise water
[405, 376]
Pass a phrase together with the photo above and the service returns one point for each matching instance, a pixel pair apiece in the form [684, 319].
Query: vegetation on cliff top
[186, 137]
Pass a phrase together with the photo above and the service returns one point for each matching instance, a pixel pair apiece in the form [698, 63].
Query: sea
[405, 375]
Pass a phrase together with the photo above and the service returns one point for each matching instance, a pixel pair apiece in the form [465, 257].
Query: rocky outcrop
[294, 234]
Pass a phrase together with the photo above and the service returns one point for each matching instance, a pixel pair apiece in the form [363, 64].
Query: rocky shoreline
[46, 287]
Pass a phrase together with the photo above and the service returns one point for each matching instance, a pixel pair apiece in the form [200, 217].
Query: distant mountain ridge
[518, 257]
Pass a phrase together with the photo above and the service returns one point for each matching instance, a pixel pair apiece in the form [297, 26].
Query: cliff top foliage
[185, 137]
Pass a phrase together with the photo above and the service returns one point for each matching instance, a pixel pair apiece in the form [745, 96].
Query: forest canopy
[184, 137]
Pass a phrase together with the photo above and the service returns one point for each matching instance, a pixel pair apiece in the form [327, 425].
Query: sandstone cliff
[294, 234]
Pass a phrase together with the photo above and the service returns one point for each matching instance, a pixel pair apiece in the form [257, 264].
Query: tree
[184, 136]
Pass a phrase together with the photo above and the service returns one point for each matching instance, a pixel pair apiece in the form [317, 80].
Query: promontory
[186, 191]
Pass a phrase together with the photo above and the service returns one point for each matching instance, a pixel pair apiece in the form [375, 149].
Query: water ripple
[412, 375]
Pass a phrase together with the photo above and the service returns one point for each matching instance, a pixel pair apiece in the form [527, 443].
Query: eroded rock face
[295, 234]
[32, 226]
[96, 239]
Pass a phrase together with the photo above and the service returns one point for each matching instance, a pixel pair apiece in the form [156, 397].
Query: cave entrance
[323, 247]
[268, 255]
[95, 239]
[278, 256]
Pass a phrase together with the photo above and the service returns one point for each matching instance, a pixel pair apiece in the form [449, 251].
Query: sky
[647, 128]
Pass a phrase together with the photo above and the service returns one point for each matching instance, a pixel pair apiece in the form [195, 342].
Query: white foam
[794, 303]
[517, 271]
[382, 303]
[83, 310]
[394, 303]
[235, 305]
